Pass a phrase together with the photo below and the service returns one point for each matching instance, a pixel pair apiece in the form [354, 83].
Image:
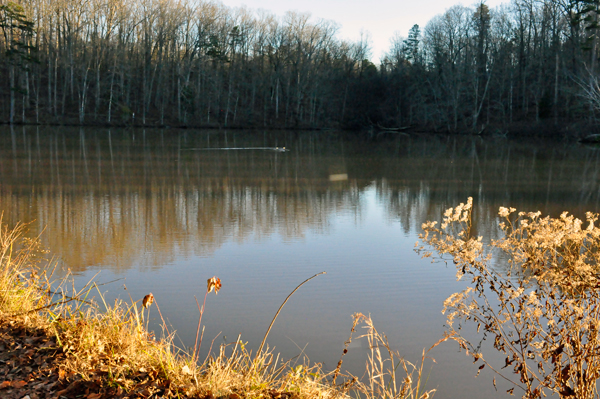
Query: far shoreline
[546, 129]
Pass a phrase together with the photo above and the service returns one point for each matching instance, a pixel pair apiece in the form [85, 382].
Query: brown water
[161, 212]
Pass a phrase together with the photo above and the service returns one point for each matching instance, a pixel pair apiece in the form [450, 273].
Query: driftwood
[392, 129]
[591, 139]
[277, 149]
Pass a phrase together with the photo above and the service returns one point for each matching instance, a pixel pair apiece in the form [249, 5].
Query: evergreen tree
[411, 45]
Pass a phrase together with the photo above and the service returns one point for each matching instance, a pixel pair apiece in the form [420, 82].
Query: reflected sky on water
[163, 210]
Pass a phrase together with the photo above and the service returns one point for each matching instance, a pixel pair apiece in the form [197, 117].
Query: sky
[380, 18]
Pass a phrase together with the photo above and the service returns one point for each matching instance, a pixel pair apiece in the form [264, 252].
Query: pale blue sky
[381, 18]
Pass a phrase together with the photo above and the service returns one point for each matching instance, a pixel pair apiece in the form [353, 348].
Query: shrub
[542, 311]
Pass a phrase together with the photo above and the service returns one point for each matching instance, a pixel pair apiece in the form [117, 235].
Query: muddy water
[163, 210]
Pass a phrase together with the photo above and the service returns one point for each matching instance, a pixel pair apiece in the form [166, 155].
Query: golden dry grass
[110, 346]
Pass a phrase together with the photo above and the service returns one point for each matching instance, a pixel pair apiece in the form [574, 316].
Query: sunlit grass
[111, 344]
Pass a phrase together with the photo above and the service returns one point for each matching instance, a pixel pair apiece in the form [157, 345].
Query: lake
[162, 211]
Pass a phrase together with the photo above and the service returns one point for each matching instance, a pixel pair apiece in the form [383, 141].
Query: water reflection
[112, 198]
[127, 197]
[133, 201]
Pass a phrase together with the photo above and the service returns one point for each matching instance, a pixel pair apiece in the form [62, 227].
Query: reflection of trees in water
[133, 197]
[124, 197]
[434, 173]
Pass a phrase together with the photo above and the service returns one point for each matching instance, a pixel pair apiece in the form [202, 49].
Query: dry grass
[22, 289]
[390, 376]
[111, 347]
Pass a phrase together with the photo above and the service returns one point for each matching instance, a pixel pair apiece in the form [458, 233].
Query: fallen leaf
[5, 384]
[94, 396]
[19, 384]
[66, 390]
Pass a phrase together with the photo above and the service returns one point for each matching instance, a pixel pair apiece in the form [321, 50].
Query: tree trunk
[11, 73]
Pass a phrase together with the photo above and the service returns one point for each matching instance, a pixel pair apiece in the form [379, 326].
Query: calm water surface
[162, 211]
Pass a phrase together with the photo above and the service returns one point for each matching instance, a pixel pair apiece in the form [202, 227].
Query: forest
[197, 63]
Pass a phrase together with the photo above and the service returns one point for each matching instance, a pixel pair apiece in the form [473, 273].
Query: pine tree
[411, 45]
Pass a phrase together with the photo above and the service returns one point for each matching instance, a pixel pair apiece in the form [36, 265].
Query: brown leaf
[567, 391]
[213, 282]
[94, 396]
[67, 389]
[164, 383]
[556, 353]
[153, 374]
[564, 374]
[5, 384]
[480, 368]
[148, 300]
[19, 384]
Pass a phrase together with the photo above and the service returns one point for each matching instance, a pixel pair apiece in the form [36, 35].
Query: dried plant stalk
[384, 373]
[542, 311]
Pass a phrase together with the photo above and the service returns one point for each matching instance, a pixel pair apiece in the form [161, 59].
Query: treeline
[172, 62]
[198, 63]
[472, 66]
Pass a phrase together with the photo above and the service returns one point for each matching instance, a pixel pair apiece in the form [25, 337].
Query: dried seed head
[215, 283]
[148, 300]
